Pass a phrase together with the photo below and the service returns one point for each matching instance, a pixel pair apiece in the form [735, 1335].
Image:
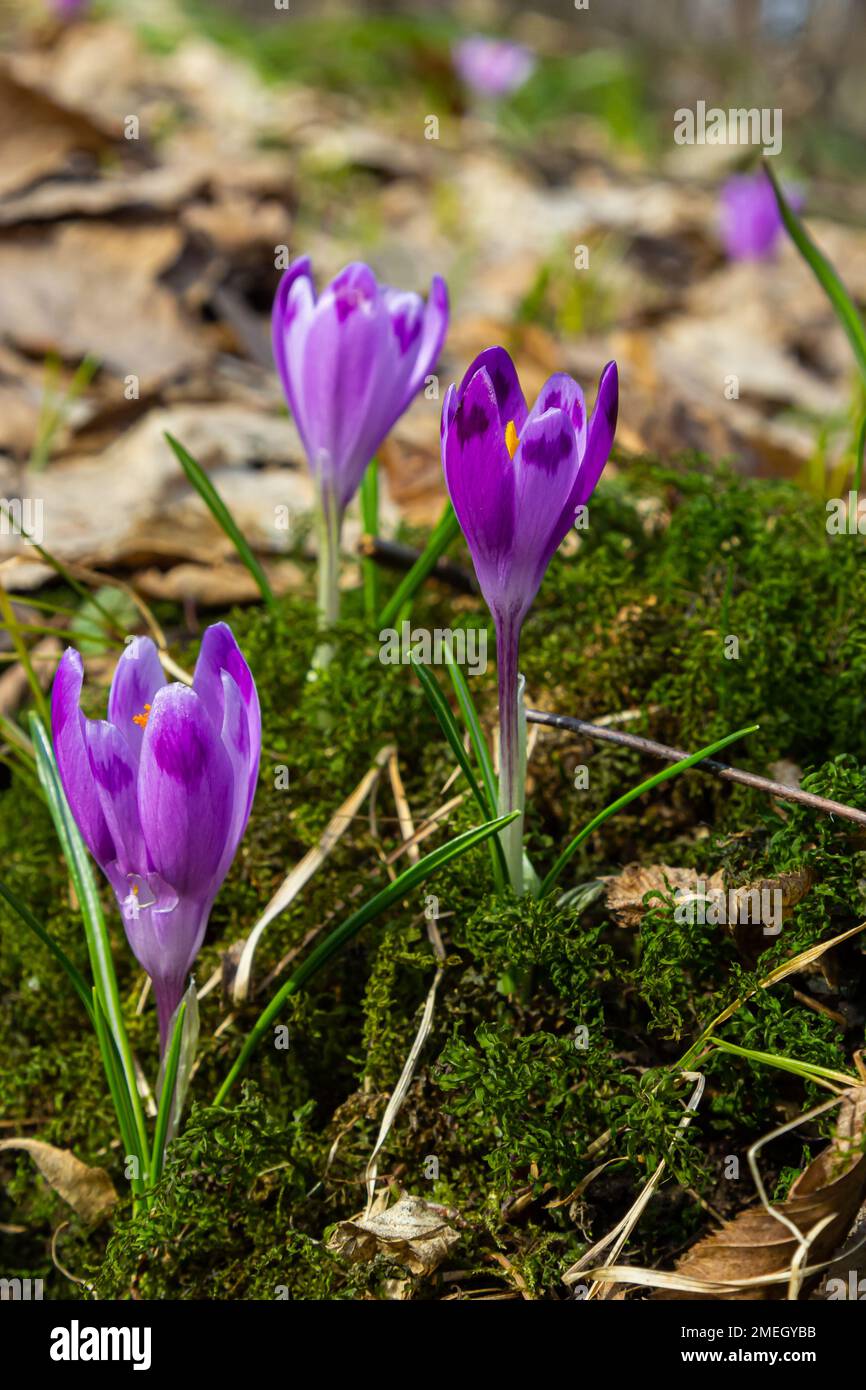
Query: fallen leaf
[61, 294]
[215, 585]
[89, 1191]
[625, 893]
[411, 1233]
[38, 136]
[756, 1244]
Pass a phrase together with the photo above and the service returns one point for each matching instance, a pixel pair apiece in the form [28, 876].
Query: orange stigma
[511, 438]
[142, 718]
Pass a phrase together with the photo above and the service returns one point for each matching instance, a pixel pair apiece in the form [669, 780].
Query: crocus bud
[516, 477]
[161, 791]
[350, 363]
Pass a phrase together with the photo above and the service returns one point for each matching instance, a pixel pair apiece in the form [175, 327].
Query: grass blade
[861, 450]
[14, 629]
[682, 766]
[450, 729]
[96, 934]
[370, 523]
[790, 1064]
[218, 509]
[476, 733]
[120, 1099]
[824, 273]
[408, 880]
[76, 979]
[166, 1097]
[443, 533]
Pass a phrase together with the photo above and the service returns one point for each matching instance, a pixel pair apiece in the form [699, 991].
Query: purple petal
[67, 728]
[185, 792]
[137, 677]
[546, 466]
[293, 309]
[219, 655]
[481, 480]
[561, 392]
[114, 769]
[351, 387]
[503, 374]
[599, 435]
[165, 940]
[235, 739]
[433, 330]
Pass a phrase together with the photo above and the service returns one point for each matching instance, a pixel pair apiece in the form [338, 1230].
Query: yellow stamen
[135, 889]
[511, 438]
[142, 718]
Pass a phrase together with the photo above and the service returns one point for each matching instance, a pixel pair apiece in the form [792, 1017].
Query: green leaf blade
[218, 509]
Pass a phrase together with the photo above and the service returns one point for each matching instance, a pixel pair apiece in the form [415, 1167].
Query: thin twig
[673, 755]
[393, 556]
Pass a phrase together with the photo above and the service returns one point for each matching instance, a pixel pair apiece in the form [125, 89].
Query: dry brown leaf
[756, 1244]
[624, 893]
[89, 1191]
[60, 294]
[38, 136]
[216, 585]
[411, 1232]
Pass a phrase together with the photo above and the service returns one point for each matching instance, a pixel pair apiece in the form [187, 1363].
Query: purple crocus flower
[350, 363]
[516, 477]
[750, 221]
[68, 9]
[492, 67]
[161, 792]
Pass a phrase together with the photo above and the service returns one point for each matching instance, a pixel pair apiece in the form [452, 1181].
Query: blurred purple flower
[515, 477]
[492, 67]
[750, 222]
[161, 792]
[68, 9]
[350, 363]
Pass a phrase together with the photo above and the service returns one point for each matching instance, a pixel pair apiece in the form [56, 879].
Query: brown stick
[394, 556]
[673, 755]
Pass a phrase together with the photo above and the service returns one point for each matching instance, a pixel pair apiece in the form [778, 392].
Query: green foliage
[222, 1222]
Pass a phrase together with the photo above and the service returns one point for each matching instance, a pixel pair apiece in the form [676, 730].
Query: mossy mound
[553, 1023]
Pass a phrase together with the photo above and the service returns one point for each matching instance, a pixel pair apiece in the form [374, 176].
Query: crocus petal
[433, 330]
[561, 392]
[165, 942]
[546, 466]
[220, 654]
[292, 311]
[137, 677]
[114, 771]
[599, 435]
[67, 729]
[503, 374]
[235, 739]
[480, 478]
[185, 792]
[341, 377]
